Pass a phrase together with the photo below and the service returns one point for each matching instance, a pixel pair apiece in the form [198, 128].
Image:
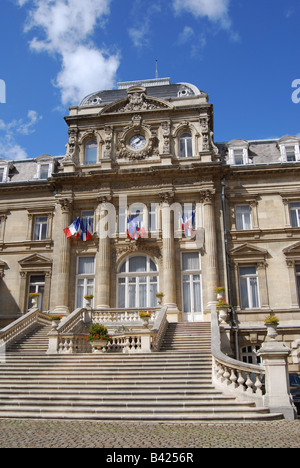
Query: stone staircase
[172, 385]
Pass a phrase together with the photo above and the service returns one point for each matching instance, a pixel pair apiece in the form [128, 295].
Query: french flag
[73, 229]
[85, 231]
[187, 224]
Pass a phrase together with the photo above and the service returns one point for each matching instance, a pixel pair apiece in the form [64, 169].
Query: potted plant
[159, 296]
[223, 308]
[145, 316]
[98, 337]
[88, 300]
[220, 292]
[55, 319]
[34, 298]
[272, 323]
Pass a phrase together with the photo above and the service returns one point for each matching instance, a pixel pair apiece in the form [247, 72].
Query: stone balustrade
[137, 339]
[266, 385]
[21, 325]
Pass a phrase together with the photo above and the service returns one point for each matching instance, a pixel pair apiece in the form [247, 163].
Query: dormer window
[289, 149]
[91, 152]
[45, 166]
[5, 168]
[238, 152]
[186, 145]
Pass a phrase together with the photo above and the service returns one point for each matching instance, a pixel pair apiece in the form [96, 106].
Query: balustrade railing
[230, 375]
[138, 339]
[16, 329]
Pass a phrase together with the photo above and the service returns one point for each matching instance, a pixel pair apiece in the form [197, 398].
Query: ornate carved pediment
[292, 253]
[136, 101]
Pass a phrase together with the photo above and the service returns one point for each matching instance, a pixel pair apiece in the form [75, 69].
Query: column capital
[167, 197]
[207, 196]
[66, 204]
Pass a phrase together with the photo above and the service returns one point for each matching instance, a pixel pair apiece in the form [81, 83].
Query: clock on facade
[137, 142]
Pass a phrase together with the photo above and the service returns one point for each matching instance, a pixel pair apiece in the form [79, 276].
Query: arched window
[91, 152]
[186, 145]
[137, 283]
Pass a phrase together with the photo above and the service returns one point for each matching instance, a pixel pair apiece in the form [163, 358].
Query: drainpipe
[234, 322]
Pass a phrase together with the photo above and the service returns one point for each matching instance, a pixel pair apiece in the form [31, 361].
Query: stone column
[103, 261]
[211, 277]
[61, 274]
[275, 359]
[169, 266]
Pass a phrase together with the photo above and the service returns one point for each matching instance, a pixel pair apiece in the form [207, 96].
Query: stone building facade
[207, 214]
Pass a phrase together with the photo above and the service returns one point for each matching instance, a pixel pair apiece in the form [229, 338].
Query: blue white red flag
[188, 222]
[135, 228]
[85, 230]
[73, 229]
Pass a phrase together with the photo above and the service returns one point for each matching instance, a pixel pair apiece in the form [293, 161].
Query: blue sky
[53, 53]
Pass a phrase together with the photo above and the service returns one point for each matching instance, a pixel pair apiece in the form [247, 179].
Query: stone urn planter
[34, 299]
[99, 346]
[145, 317]
[223, 309]
[159, 297]
[272, 323]
[88, 301]
[55, 320]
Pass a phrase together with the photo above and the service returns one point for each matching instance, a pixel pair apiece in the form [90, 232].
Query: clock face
[137, 142]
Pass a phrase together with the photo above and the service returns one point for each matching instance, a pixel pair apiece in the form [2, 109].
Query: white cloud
[65, 28]
[9, 148]
[214, 10]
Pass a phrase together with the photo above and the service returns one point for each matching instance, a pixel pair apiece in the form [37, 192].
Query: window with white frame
[295, 214]
[243, 217]
[36, 285]
[186, 145]
[290, 152]
[1, 175]
[91, 151]
[40, 228]
[249, 354]
[238, 153]
[191, 285]
[137, 281]
[85, 279]
[249, 290]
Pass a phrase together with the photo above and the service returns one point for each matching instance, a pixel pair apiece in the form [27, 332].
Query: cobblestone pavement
[16, 433]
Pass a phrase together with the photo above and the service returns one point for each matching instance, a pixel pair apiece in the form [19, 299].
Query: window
[88, 220]
[137, 283]
[191, 286]
[290, 151]
[238, 157]
[243, 217]
[40, 228]
[250, 356]
[1, 175]
[152, 218]
[37, 285]
[85, 279]
[295, 214]
[249, 287]
[290, 154]
[186, 145]
[44, 171]
[91, 152]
